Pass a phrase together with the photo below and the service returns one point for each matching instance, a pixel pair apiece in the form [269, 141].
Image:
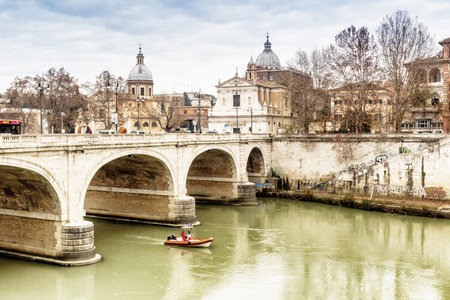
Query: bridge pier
[77, 241]
[246, 194]
[72, 244]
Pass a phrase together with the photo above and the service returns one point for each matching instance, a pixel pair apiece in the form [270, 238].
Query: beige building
[256, 103]
[434, 116]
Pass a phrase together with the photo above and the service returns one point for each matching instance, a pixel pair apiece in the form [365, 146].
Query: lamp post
[251, 118]
[41, 94]
[117, 115]
[198, 122]
[107, 99]
[237, 104]
[62, 122]
[138, 104]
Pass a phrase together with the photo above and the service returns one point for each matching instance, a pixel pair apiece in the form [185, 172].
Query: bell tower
[251, 70]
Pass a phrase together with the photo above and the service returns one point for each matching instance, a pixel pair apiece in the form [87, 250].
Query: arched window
[435, 75]
[435, 99]
[135, 124]
[145, 124]
[154, 124]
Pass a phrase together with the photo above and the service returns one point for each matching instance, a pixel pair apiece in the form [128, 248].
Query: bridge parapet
[86, 139]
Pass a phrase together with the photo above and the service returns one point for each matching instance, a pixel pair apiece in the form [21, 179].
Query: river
[280, 249]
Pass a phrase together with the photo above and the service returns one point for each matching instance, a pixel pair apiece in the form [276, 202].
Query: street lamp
[117, 115]
[198, 122]
[138, 104]
[237, 104]
[251, 118]
[41, 93]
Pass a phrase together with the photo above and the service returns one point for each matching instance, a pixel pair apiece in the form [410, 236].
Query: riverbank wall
[394, 165]
[433, 208]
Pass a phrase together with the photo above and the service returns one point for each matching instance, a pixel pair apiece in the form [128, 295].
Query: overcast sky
[188, 45]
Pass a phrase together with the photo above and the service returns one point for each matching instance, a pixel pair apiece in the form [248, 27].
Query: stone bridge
[50, 182]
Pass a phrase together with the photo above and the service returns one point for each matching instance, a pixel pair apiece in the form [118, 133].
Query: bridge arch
[212, 175]
[34, 219]
[32, 178]
[256, 166]
[131, 184]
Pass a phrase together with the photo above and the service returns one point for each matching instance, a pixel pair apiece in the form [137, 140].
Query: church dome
[268, 59]
[140, 71]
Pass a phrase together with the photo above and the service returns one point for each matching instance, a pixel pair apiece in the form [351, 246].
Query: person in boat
[183, 237]
[189, 237]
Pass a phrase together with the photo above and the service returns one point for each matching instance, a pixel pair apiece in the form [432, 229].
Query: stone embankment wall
[390, 165]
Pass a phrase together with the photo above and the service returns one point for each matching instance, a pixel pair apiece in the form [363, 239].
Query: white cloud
[187, 44]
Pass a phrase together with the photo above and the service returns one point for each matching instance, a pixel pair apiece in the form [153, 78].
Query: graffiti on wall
[435, 192]
[402, 190]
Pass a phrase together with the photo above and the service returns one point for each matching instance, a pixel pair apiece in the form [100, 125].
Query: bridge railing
[7, 141]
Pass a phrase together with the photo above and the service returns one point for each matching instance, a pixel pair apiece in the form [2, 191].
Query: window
[142, 91]
[435, 75]
[150, 91]
[435, 99]
[154, 124]
[185, 112]
[236, 100]
[145, 124]
[133, 91]
[423, 123]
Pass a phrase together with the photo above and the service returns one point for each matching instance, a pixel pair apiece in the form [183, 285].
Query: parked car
[138, 132]
[107, 132]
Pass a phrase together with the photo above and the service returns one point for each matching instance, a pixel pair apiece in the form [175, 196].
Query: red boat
[186, 240]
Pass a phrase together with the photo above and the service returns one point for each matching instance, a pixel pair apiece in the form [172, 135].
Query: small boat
[186, 240]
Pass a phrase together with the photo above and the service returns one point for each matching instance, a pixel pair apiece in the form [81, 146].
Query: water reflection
[278, 250]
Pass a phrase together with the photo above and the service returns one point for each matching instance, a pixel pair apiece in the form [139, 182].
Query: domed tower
[140, 79]
[268, 59]
[251, 70]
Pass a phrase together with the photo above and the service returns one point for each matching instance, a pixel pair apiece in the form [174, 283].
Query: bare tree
[306, 88]
[63, 100]
[102, 99]
[165, 112]
[23, 98]
[354, 64]
[404, 43]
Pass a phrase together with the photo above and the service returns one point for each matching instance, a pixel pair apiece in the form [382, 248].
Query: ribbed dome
[140, 70]
[268, 59]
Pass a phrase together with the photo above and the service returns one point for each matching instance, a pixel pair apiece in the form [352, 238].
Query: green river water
[281, 249]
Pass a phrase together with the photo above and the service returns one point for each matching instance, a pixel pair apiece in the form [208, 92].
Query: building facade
[434, 116]
[256, 103]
